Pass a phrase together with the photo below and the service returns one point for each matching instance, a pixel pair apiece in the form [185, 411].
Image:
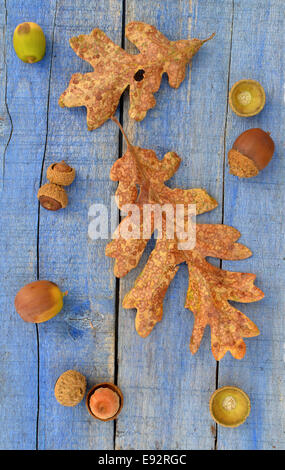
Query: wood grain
[256, 207]
[66, 254]
[24, 99]
[166, 388]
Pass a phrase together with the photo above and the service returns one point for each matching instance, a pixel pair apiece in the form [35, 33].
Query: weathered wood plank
[167, 389]
[23, 103]
[256, 208]
[66, 254]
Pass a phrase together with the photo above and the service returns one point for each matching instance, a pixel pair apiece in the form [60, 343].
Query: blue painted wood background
[166, 389]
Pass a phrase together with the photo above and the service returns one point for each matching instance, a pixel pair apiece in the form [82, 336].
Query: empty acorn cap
[112, 387]
[52, 197]
[70, 388]
[247, 98]
[229, 406]
[60, 173]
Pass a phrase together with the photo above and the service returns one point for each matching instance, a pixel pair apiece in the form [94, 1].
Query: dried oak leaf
[115, 70]
[210, 288]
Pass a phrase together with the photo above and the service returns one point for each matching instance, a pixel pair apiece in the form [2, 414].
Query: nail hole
[139, 75]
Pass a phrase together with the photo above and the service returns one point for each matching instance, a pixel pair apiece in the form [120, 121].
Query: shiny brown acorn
[251, 152]
[60, 173]
[104, 401]
[39, 301]
[52, 197]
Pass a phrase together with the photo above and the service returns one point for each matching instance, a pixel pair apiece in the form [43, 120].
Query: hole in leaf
[139, 75]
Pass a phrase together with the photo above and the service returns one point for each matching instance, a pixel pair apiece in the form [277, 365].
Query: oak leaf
[115, 70]
[210, 288]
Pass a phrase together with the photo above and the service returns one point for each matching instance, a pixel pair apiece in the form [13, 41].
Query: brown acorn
[60, 173]
[251, 152]
[39, 301]
[52, 197]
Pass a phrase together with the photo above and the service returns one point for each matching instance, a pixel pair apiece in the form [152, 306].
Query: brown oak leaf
[115, 70]
[210, 288]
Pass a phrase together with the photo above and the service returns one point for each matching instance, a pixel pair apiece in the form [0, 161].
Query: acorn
[251, 152]
[70, 388]
[247, 98]
[60, 173]
[105, 401]
[29, 42]
[39, 301]
[229, 406]
[52, 197]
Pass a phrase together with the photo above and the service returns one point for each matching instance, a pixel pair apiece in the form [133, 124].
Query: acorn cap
[229, 406]
[60, 173]
[52, 197]
[247, 98]
[70, 388]
[240, 165]
[115, 389]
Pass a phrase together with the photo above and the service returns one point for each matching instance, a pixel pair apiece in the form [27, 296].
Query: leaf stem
[122, 130]
[209, 38]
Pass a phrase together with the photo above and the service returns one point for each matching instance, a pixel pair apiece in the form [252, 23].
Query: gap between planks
[223, 186]
[117, 294]
[38, 224]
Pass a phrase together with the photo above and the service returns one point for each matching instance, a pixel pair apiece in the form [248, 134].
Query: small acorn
[52, 197]
[60, 173]
[70, 388]
[104, 401]
[39, 301]
[251, 152]
[29, 42]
